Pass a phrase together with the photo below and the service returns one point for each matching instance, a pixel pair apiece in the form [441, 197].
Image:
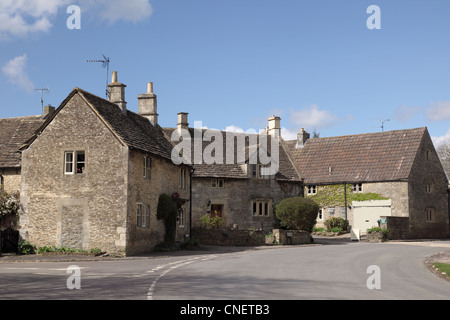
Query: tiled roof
[286, 170]
[136, 131]
[13, 133]
[371, 157]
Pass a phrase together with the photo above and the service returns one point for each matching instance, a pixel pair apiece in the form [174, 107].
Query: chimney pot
[274, 126]
[182, 121]
[116, 92]
[147, 104]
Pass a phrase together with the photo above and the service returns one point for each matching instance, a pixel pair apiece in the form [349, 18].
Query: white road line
[171, 266]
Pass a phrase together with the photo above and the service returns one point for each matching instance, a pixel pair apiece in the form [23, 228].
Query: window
[312, 189]
[357, 187]
[331, 211]
[217, 183]
[429, 213]
[147, 167]
[260, 208]
[143, 215]
[74, 162]
[2, 182]
[258, 172]
[428, 186]
[180, 217]
[428, 155]
[183, 178]
[319, 215]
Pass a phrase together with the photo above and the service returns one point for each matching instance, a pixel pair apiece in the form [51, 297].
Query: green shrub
[167, 211]
[336, 229]
[214, 222]
[297, 213]
[378, 229]
[336, 222]
[26, 248]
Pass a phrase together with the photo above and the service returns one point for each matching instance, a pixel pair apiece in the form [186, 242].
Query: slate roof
[286, 170]
[133, 129]
[371, 157]
[130, 128]
[14, 132]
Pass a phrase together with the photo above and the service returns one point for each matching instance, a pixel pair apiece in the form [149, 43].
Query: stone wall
[398, 227]
[291, 236]
[11, 179]
[164, 179]
[97, 198]
[428, 169]
[228, 237]
[236, 198]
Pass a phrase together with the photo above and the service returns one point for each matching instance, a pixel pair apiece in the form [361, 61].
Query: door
[216, 210]
[9, 240]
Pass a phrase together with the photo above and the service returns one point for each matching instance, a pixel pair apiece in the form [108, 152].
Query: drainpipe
[191, 172]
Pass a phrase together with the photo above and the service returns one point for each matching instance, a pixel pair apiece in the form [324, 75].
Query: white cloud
[18, 18]
[312, 117]
[439, 111]
[116, 10]
[14, 70]
[405, 113]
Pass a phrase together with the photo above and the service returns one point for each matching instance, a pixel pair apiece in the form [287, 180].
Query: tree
[443, 151]
[297, 213]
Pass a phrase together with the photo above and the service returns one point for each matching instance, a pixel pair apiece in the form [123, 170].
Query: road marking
[171, 266]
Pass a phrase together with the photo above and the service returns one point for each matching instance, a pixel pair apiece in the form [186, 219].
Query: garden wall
[291, 236]
[227, 237]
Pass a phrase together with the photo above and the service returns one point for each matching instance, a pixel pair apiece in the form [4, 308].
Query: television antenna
[382, 124]
[105, 64]
[42, 96]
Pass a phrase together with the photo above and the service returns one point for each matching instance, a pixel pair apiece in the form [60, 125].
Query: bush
[26, 248]
[334, 222]
[167, 211]
[297, 213]
[209, 222]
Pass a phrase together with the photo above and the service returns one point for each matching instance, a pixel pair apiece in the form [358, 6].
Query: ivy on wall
[334, 196]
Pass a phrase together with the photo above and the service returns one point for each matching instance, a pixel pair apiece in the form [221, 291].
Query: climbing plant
[167, 211]
[334, 196]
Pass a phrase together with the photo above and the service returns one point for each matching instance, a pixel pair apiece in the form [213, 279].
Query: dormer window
[258, 171]
[74, 162]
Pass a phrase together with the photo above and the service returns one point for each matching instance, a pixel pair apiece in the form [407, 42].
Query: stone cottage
[238, 191]
[92, 174]
[400, 165]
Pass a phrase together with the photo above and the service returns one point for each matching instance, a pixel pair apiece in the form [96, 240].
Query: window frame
[147, 167]
[311, 189]
[74, 162]
[260, 208]
[142, 215]
[430, 215]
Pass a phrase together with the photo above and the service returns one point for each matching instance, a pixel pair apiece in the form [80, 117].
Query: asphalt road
[335, 271]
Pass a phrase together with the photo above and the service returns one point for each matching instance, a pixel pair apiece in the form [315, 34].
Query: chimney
[274, 126]
[48, 111]
[183, 121]
[302, 137]
[116, 92]
[147, 105]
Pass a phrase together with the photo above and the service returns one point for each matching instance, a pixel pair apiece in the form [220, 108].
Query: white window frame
[429, 186]
[357, 187]
[74, 162]
[181, 217]
[311, 189]
[143, 215]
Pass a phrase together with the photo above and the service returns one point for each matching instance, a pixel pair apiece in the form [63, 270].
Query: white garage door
[366, 213]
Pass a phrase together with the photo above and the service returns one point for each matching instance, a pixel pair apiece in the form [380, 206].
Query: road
[330, 271]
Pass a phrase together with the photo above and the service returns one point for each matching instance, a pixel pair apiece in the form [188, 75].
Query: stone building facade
[401, 165]
[92, 175]
[239, 192]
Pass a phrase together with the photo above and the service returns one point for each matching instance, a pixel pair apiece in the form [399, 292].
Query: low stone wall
[226, 237]
[291, 236]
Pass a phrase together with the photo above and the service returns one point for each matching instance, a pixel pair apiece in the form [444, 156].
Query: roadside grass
[443, 268]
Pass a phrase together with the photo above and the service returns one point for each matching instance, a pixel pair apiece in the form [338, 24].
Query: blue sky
[234, 63]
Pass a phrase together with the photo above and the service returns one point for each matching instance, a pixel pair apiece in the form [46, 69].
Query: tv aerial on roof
[42, 96]
[105, 64]
[382, 124]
